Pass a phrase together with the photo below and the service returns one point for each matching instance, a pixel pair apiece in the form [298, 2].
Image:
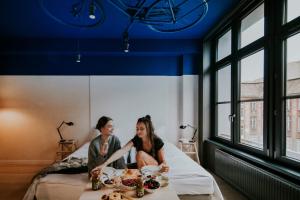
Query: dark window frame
[275, 33]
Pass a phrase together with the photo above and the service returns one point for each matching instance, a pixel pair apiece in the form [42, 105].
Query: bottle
[96, 184]
[140, 187]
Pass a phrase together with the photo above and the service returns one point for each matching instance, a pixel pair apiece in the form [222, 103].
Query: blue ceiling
[26, 19]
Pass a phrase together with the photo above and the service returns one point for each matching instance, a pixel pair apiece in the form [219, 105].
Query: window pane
[224, 84]
[252, 76]
[293, 10]
[224, 129]
[252, 27]
[251, 123]
[292, 128]
[224, 46]
[293, 66]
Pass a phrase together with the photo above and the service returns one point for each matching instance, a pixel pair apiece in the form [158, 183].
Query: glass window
[293, 66]
[252, 26]
[252, 76]
[289, 123]
[253, 122]
[298, 123]
[224, 45]
[288, 105]
[293, 9]
[224, 102]
[292, 91]
[251, 125]
[224, 84]
[253, 106]
[224, 123]
[251, 99]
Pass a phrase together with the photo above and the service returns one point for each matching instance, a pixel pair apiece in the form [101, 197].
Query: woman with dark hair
[149, 147]
[103, 146]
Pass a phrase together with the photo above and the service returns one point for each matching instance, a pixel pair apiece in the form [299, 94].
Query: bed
[189, 179]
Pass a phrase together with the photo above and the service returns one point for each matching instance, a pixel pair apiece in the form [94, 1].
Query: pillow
[93, 133]
[82, 152]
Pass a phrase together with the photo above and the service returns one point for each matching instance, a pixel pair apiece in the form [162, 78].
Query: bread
[115, 196]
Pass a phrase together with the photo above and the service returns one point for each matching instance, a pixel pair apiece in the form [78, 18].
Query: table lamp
[194, 135]
[63, 122]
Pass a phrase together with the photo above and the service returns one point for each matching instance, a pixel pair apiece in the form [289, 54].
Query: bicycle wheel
[175, 15]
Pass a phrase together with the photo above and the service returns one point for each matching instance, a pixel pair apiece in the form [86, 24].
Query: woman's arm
[162, 161]
[118, 154]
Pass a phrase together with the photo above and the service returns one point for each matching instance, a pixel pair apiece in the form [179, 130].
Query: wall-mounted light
[192, 127]
[58, 129]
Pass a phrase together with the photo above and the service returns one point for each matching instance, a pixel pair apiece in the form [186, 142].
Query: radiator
[253, 181]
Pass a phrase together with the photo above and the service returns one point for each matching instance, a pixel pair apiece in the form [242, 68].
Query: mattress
[186, 176]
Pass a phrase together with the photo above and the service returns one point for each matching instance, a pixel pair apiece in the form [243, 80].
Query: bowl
[129, 184]
[151, 185]
[107, 182]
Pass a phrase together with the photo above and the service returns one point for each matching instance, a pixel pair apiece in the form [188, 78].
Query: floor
[14, 180]
[229, 193]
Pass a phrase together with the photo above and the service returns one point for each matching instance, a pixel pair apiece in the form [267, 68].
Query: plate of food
[150, 170]
[151, 185]
[129, 184]
[116, 196]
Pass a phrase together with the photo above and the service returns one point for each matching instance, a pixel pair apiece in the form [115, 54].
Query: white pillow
[93, 133]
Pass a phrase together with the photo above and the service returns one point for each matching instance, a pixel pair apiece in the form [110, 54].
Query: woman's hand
[164, 168]
[97, 171]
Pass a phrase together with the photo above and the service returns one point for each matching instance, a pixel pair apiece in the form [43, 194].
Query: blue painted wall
[100, 57]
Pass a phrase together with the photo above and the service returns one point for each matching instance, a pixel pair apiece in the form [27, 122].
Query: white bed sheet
[185, 175]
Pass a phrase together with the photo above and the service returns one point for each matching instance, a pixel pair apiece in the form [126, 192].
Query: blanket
[69, 166]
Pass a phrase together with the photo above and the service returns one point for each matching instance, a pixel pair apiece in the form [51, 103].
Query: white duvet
[186, 176]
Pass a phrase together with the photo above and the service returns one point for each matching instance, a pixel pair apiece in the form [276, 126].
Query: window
[293, 10]
[252, 26]
[253, 122]
[224, 102]
[292, 94]
[298, 123]
[253, 106]
[288, 105]
[251, 95]
[224, 46]
[261, 112]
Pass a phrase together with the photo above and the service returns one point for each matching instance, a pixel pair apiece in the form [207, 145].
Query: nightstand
[190, 148]
[65, 147]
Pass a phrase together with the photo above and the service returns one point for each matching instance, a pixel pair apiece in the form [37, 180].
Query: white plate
[150, 170]
[109, 172]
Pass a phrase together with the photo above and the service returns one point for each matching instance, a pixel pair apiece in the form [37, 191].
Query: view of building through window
[251, 106]
[293, 97]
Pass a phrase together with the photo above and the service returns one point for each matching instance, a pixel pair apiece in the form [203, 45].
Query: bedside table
[65, 148]
[190, 148]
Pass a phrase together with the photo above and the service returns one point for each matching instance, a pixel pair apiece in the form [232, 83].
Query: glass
[292, 129]
[293, 10]
[251, 124]
[224, 124]
[252, 76]
[224, 45]
[252, 26]
[224, 84]
[293, 66]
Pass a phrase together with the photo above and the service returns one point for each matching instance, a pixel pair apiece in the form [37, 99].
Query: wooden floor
[15, 179]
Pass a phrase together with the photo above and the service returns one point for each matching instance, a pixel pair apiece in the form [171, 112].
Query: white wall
[31, 107]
